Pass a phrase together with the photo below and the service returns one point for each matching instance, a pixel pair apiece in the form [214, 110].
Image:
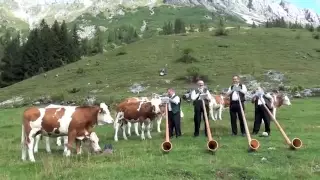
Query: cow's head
[94, 142]
[156, 102]
[104, 115]
[285, 100]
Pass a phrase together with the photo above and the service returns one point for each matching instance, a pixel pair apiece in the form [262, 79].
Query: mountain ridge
[257, 11]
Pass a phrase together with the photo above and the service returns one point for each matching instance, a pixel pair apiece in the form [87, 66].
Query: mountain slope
[248, 51]
[31, 12]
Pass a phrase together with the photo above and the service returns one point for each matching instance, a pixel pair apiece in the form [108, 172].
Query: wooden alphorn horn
[212, 144]
[296, 143]
[166, 146]
[253, 143]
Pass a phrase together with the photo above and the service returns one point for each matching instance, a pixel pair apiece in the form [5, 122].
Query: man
[174, 113]
[234, 91]
[198, 108]
[260, 112]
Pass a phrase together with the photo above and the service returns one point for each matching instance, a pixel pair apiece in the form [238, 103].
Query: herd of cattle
[76, 123]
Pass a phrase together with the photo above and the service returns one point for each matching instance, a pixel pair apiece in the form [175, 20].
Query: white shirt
[194, 95]
[235, 96]
[175, 100]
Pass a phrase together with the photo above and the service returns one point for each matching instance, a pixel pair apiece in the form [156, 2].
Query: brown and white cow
[158, 117]
[93, 137]
[217, 105]
[76, 122]
[278, 99]
[137, 112]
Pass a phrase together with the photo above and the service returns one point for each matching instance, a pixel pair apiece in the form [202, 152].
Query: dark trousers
[198, 111]
[261, 113]
[234, 111]
[174, 123]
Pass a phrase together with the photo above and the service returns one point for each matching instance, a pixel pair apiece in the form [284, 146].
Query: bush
[121, 52]
[193, 75]
[73, 90]
[316, 36]
[186, 57]
[80, 71]
[221, 31]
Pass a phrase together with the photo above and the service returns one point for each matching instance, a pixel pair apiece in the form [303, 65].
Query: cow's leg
[136, 128]
[220, 112]
[65, 142]
[143, 127]
[148, 129]
[71, 138]
[129, 128]
[30, 144]
[124, 125]
[48, 149]
[117, 123]
[78, 147]
[159, 123]
[274, 111]
[23, 144]
[59, 141]
[211, 112]
[36, 144]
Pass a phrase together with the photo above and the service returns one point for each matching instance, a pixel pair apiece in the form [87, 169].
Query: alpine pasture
[242, 51]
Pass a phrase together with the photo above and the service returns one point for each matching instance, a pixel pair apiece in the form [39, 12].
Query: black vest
[267, 100]
[175, 108]
[198, 100]
[242, 96]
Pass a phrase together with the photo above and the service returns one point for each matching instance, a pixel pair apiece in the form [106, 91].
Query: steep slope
[109, 76]
[31, 12]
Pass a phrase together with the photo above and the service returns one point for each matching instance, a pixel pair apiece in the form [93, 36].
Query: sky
[310, 4]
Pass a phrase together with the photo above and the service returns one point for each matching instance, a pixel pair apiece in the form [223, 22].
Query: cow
[76, 122]
[59, 138]
[133, 112]
[278, 99]
[217, 105]
[158, 116]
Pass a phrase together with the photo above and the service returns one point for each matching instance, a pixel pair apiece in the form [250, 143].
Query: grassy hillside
[251, 51]
[164, 13]
[143, 160]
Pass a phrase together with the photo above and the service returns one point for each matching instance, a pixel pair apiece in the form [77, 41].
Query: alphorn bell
[166, 146]
[296, 143]
[253, 143]
[212, 144]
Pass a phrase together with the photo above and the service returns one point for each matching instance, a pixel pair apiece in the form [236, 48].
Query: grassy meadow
[108, 76]
[136, 159]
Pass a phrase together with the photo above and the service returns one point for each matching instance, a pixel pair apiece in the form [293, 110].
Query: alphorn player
[234, 91]
[174, 117]
[198, 107]
[260, 98]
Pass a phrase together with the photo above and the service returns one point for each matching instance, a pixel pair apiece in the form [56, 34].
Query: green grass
[251, 51]
[136, 159]
[164, 13]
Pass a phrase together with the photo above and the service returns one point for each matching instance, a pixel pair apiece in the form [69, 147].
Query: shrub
[316, 36]
[193, 75]
[80, 71]
[186, 57]
[74, 90]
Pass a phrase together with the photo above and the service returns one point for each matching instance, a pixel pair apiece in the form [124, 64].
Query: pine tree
[98, 40]
[12, 67]
[75, 43]
[66, 51]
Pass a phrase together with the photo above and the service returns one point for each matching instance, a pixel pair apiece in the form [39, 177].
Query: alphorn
[166, 146]
[212, 144]
[253, 143]
[296, 143]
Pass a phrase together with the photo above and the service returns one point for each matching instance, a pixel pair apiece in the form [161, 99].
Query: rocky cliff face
[257, 11]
